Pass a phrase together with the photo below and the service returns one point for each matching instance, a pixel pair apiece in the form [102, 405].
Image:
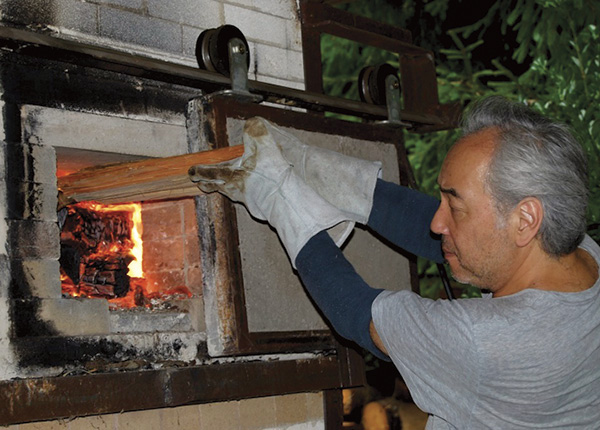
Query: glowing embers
[102, 256]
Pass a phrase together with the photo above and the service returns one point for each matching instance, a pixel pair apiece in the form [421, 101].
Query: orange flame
[135, 267]
[137, 251]
[138, 295]
[67, 284]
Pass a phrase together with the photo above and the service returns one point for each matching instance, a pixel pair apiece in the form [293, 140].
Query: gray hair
[535, 157]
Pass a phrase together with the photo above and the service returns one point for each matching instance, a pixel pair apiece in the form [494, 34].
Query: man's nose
[438, 223]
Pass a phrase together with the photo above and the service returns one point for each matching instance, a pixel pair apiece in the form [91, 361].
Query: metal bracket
[392, 100]
[238, 72]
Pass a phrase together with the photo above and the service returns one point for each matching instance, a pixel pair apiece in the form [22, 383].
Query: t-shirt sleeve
[432, 345]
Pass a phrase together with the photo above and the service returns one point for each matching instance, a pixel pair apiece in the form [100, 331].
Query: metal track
[29, 43]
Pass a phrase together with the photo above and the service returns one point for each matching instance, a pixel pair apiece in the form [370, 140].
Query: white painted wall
[167, 29]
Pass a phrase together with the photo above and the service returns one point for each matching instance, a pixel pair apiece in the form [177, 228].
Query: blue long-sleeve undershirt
[403, 216]
[400, 215]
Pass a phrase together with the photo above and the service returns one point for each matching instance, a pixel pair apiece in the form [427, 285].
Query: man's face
[477, 250]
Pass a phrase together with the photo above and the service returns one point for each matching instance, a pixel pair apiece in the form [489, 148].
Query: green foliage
[553, 64]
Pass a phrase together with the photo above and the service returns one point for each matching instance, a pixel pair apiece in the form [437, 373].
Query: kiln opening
[135, 255]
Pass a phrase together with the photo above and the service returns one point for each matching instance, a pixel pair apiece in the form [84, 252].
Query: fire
[102, 256]
[137, 250]
[63, 172]
[135, 267]
[68, 284]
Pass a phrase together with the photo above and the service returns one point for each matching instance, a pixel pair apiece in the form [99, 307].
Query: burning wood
[101, 256]
[97, 248]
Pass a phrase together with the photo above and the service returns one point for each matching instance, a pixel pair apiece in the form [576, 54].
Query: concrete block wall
[34, 246]
[168, 29]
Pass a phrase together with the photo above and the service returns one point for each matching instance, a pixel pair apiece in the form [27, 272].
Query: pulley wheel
[212, 48]
[363, 84]
[371, 83]
[202, 51]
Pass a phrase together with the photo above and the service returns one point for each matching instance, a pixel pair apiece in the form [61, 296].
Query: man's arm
[402, 216]
[399, 214]
[340, 293]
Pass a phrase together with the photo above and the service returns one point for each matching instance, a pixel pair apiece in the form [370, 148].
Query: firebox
[135, 255]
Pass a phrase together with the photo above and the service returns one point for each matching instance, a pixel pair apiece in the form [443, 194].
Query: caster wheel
[212, 50]
[371, 83]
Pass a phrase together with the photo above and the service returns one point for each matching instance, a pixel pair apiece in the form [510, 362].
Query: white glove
[346, 182]
[266, 184]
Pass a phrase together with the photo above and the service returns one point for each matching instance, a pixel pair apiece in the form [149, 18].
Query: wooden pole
[148, 179]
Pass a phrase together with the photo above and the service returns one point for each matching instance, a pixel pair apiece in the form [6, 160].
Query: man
[511, 221]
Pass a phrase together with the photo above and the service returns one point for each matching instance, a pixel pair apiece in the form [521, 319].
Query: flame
[135, 267]
[137, 251]
[68, 285]
[138, 294]
[63, 172]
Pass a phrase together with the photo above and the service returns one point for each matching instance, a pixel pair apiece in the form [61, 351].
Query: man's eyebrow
[450, 191]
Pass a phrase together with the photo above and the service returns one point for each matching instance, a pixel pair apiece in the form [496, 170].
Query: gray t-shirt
[526, 361]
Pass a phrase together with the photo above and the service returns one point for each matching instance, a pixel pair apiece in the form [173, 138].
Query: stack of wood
[95, 251]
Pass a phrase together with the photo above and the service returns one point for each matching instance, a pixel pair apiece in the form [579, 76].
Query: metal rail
[28, 42]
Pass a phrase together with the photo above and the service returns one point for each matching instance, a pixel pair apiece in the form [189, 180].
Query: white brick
[3, 203]
[38, 161]
[141, 30]
[63, 14]
[76, 15]
[70, 129]
[41, 277]
[186, 345]
[190, 35]
[279, 63]
[257, 26]
[3, 230]
[5, 279]
[8, 366]
[4, 320]
[132, 4]
[131, 322]
[75, 317]
[294, 35]
[36, 239]
[39, 201]
[2, 134]
[282, 8]
[295, 65]
[203, 14]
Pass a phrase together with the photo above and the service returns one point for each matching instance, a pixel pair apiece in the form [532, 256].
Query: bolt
[238, 48]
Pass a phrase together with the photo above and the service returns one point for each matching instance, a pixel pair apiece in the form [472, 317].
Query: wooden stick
[148, 179]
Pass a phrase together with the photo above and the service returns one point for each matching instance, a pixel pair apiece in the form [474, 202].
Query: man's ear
[529, 213]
